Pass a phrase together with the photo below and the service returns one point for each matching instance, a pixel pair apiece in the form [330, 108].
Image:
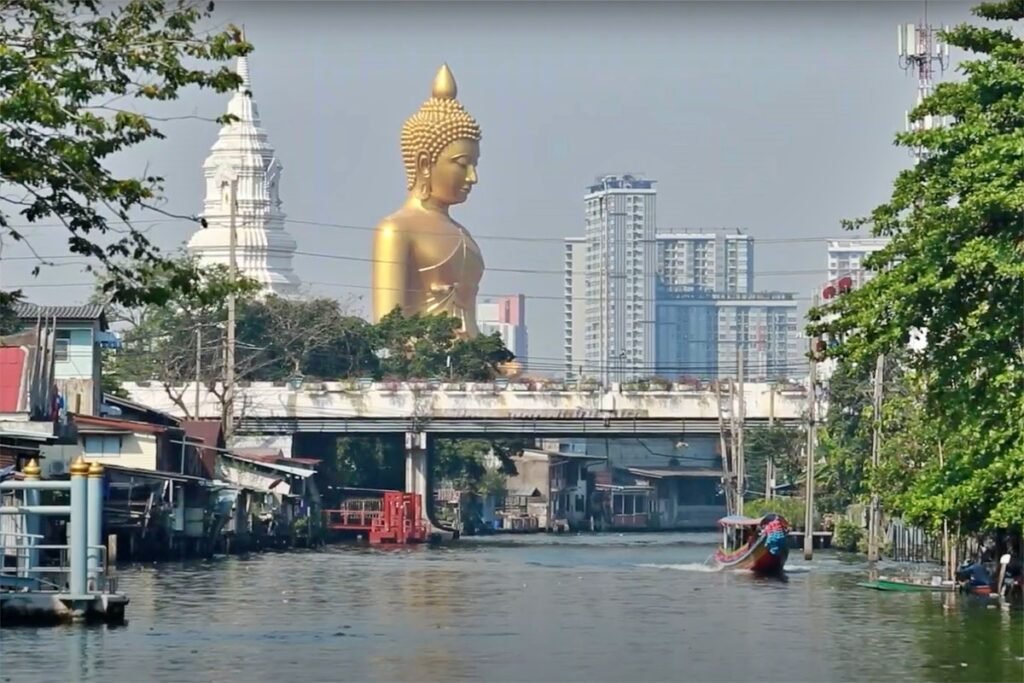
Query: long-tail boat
[759, 544]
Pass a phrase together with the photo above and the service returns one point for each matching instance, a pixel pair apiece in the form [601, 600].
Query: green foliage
[779, 443]
[461, 461]
[9, 322]
[791, 508]
[368, 462]
[954, 266]
[847, 535]
[428, 346]
[69, 72]
[278, 339]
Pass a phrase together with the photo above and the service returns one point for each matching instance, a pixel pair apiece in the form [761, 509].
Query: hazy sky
[772, 117]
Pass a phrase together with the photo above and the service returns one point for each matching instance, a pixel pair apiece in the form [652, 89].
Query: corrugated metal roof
[27, 311]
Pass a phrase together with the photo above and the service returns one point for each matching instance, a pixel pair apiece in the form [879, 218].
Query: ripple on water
[593, 608]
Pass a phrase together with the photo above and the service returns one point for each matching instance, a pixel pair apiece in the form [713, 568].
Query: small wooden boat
[906, 586]
[894, 586]
[758, 544]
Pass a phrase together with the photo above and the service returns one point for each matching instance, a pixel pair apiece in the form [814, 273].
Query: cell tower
[922, 49]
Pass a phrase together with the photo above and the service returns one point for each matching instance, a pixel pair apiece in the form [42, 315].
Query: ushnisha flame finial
[444, 84]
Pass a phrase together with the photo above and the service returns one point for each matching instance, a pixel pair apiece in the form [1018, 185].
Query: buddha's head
[441, 146]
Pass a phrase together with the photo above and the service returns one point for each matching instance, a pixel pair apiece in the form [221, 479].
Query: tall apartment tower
[575, 310]
[706, 261]
[620, 277]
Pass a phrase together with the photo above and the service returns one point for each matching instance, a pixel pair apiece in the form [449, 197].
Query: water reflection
[589, 608]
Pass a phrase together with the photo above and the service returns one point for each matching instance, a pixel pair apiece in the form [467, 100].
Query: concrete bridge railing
[471, 400]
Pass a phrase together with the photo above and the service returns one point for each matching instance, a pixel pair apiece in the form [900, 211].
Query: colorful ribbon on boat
[775, 533]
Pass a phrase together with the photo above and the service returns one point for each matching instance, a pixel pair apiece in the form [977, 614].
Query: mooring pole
[77, 522]
[94, 525]
[33, 524]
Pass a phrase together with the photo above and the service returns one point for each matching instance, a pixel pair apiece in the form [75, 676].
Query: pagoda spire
[243, 154]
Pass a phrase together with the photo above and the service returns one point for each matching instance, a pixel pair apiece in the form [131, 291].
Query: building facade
[846, 258]
[701, 334]
[243, 157]
[506, 315]
[620, 276]
[713, 261]
[574, 347]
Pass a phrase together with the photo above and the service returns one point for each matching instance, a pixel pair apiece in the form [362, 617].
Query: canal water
[593, 608]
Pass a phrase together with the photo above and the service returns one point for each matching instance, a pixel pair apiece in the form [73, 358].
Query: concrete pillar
[33, 523]
[78, 539]
[416, 465]
[94, 525]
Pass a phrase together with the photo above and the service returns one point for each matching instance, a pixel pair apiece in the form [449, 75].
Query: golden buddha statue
[423, 260]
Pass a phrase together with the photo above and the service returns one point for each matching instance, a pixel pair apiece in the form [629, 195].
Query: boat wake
[687, 567]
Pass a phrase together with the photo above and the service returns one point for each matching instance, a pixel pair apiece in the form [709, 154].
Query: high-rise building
[714, 261]
[506, 315]
[620, 276]
[846, 258]
[700, 334]
[575, 311]
[243, 156]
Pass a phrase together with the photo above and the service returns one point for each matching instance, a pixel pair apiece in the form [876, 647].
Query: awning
[295, 471]
[674, 472]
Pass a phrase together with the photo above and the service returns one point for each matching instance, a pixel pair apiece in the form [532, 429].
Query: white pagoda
[243, 154]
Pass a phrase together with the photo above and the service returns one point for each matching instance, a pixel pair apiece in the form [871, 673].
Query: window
[99, 446]
[61, 344]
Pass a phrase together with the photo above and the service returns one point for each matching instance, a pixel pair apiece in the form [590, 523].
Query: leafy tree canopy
[954, 267]
[69, 72]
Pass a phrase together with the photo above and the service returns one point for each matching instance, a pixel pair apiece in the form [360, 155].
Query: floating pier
[79, 587]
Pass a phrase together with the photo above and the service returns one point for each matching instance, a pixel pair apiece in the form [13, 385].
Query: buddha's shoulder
[412, 224]
[401, 221]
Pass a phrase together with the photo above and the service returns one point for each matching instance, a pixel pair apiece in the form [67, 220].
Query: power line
[674, 231]
[494, 269]
[540, 297]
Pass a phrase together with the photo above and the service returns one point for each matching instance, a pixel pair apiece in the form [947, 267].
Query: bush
[848, 536]
[790, 508]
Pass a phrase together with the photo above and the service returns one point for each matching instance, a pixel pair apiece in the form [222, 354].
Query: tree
[68, 71]
[424, 347]
[954, 267]
[845, 437]
[778, 443]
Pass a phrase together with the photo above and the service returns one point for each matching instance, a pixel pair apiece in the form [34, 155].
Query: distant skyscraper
[243, 155]
[575, 311]
[506, 315]
[620, 277]
[846, 257]
[713, 261]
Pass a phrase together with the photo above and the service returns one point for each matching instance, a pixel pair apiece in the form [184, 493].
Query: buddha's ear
[422, 165]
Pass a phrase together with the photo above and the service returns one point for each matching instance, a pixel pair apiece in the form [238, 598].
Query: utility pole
[874, 521]
[769, 463]
[724, 446]
[199, 367]
[229, 374]
[812, 400]
[741, 456]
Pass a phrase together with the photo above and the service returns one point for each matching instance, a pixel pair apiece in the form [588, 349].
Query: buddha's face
[453, 176]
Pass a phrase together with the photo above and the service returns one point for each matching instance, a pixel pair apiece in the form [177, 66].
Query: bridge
[426, 410]
[479, 409]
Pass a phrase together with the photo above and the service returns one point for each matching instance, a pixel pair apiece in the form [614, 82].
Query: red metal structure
[395, 517]
[400, 521]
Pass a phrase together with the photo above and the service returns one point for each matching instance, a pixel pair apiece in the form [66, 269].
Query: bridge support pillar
[417, 479]
[416, 465]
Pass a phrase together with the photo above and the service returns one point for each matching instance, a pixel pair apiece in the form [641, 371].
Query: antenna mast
[921, 49]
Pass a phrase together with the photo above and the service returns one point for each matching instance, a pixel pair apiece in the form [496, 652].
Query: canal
[633, 607]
